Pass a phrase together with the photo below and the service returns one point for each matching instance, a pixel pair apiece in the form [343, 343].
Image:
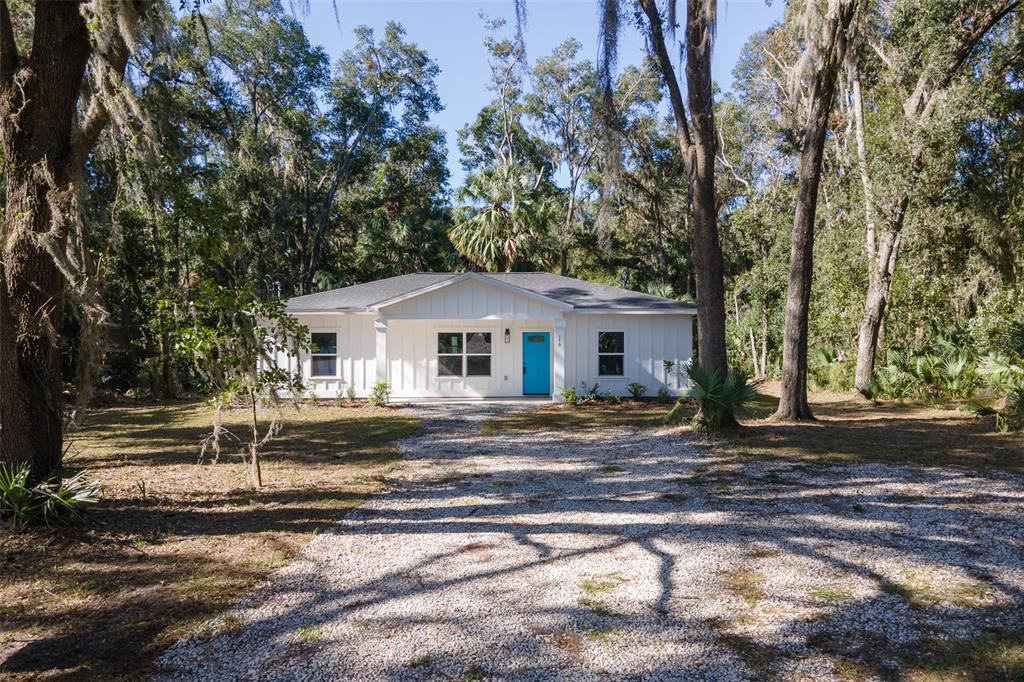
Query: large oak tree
[46, 133]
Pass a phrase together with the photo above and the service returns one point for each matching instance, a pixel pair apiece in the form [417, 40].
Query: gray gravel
[626, 554]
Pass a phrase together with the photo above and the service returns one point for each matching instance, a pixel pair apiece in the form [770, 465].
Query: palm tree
[504, 222]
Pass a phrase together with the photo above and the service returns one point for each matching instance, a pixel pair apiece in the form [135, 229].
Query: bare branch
[675, 96]
[921, 103]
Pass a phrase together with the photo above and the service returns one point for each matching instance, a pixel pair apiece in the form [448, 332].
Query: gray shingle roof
[578, 293]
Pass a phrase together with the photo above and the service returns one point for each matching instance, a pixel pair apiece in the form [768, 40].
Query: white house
[477, 335]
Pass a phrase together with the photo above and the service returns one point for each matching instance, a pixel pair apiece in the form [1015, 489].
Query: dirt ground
[173, 542]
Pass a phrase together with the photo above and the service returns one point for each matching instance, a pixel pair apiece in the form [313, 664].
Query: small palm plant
[53, 501]
[1005, 373]
[717, 398]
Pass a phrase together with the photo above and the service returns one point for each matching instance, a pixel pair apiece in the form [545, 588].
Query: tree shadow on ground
[914, 556]
[853, 429]
[173, 543]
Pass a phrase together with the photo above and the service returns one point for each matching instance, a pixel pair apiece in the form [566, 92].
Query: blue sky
[452, 32]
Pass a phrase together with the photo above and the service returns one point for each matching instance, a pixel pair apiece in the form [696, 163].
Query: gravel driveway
[627, 553]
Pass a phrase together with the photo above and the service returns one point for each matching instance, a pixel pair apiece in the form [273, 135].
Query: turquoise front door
[536, 363]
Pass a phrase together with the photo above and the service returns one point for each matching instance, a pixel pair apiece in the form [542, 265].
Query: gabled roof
[564, 292]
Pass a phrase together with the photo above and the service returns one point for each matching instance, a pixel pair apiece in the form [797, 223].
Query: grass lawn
[174, 542]
[848, 427]
[851, 428]
[561, 416]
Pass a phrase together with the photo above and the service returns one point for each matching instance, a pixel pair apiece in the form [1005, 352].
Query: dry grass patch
[561, 417]
[173, 543]
[600, 584]
[745, 583]
[850, 428]
[923, 588]
[993, 657]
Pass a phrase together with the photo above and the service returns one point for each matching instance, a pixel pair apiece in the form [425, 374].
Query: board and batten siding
[470, 300]
[649, 340]
[409, 328]
[412, 358]
[356, 354]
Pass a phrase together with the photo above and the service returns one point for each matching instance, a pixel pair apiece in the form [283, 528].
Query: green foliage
[663, 395]
[1005, 372]
[612, 398]
[380, 394]
[570, 396]
[717, 398]
[675, 415]
[54, 501]
[945, 372]
[503, 224]
[590, 393]
[350, 393]
[829, 368]
[636, 390]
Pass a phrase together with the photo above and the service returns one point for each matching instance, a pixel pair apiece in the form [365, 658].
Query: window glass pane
[449, 365]
[478, 365]
[536, 338]
[325, 366]
[611, 342]
[325, 343]
[609, 365]
[478, 342]
[449, 342]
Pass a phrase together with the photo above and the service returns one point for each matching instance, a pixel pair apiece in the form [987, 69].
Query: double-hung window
[611, 354]
[323, 354]
[464, 354]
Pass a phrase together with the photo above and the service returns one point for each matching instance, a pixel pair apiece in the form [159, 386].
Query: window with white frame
[323, 350]
[611, 354]
[464, 354]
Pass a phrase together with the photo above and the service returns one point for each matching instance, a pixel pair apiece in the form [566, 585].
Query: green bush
[53, 501]
[590, 393]
[346, 396]
[569, 395]
[663, 395]
[612, 398]
[1004, 372]
[380, 394]
[944, 372]
[717, 398]
[1009, 417]
[636, 390]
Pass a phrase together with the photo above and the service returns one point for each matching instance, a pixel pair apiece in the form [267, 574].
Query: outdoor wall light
[508, 336]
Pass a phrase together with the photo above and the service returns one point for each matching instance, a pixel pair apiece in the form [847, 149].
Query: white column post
[380, 326]
[558, 383]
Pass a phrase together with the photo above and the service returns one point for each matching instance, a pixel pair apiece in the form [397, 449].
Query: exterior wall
[471, 300]
[649, 339]
[356, 354]
[412, 358]
[408, 330]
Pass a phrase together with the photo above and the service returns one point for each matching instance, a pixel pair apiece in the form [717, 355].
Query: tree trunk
[707, 249]
[830, 47]
[879, 288]
[918, 109]
[255, 471]
[38, 99]
[698, 152]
